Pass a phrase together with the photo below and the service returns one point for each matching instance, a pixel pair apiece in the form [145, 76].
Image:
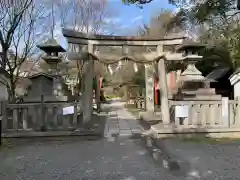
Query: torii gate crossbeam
[79, 38]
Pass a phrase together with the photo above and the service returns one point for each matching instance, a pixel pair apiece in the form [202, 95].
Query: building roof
[51, 45]
[28, 68]
[41, 74]
[189, 44]
[235, 72]
[218, 73]
[72, 33]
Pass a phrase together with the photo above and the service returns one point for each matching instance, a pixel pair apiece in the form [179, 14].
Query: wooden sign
[68, 110]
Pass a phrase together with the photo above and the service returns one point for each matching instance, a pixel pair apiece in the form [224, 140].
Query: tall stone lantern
[193, 85]
[52, 50]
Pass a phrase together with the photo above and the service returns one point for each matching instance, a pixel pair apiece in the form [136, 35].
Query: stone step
[206, 91]
[203, 91]
[204, 97]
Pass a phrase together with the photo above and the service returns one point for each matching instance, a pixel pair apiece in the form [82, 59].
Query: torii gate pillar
[163, 88]
[88, 87]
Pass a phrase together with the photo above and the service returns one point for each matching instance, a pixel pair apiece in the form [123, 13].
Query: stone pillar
[149, 88]
[163, 88]
[88, 87]
[97, 94]
[125, 93]
[72, 89]
[235, 82]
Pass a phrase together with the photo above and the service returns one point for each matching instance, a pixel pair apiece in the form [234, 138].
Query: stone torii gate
[89, 49]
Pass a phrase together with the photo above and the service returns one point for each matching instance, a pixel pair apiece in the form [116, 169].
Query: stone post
[88, 87]
[235, 82]
[98, 94]
[163, 87]
[125, 93]
[149, 88]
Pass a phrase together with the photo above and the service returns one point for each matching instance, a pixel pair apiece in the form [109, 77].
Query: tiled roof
[72, 33]
[218, 73]
[51, 44]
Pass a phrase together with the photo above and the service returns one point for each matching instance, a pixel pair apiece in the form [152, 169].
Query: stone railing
[38, 116]
[209, 114]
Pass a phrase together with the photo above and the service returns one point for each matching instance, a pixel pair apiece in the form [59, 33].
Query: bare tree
[88, 16]
[11, 15]
[19, 34]
[161, 25]
[83, 15]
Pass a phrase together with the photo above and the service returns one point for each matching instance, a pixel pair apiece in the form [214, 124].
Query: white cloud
[136, 19]
[112, 20]
[80, 28]
[176, 10]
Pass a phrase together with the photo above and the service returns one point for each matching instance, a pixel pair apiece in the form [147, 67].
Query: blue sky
[131, 16]
[127, 18]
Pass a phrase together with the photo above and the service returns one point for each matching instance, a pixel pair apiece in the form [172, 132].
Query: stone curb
[51, 134]
[161, 155]
[61, 137]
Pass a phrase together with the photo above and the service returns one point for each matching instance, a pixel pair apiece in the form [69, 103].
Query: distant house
[3, 82]
[22, 86]
[41, 84]
[221, 82]
[29, 68]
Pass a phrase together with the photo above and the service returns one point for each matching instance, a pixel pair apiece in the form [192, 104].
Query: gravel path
[123, 158]
[208, 161]
[117, 156]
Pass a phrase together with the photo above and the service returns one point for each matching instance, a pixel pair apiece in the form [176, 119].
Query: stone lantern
[193, 85]
[52, 49]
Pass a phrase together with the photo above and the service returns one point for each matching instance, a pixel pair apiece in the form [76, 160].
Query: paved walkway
[121, 122]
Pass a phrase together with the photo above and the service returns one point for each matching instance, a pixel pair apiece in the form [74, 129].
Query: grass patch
[5, 144]
[209, 140]
[109, 97]
[198, 139]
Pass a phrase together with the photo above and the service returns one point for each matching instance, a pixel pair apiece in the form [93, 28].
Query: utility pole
[53, 21]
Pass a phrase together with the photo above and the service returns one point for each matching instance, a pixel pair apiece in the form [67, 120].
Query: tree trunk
[79, 83]
[12, 93]
[4, 57]
[125, 91]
